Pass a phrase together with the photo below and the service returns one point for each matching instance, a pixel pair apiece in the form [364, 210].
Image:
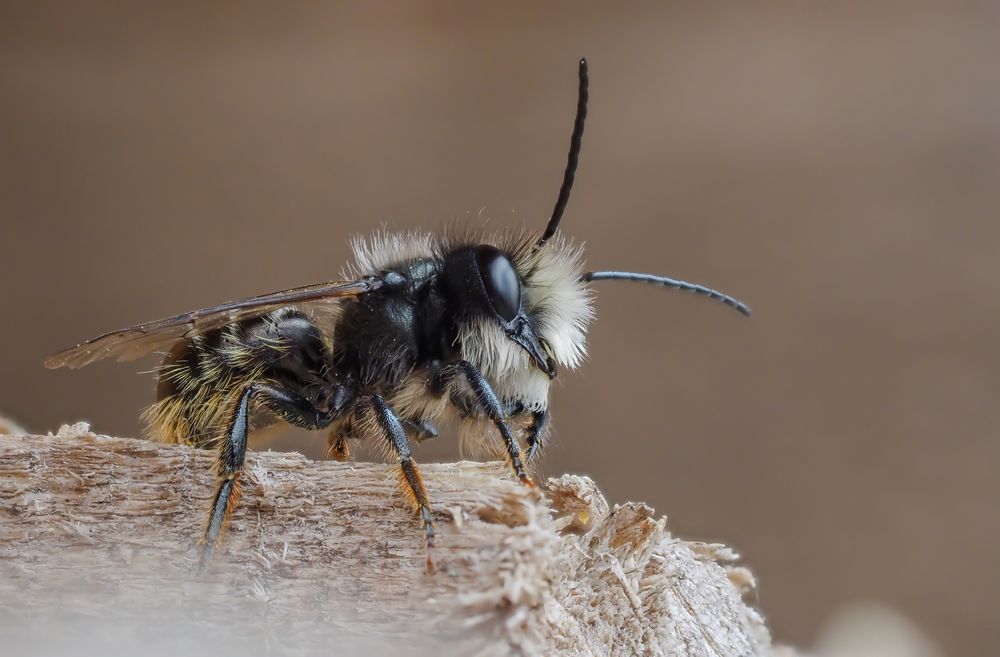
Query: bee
[465, 329]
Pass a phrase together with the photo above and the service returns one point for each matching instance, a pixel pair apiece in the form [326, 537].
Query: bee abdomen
[202, 377]
[195, 390]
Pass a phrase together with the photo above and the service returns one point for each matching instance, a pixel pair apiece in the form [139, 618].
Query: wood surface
[98, 554]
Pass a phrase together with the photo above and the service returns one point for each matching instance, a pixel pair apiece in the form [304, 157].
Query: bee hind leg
[288, 405]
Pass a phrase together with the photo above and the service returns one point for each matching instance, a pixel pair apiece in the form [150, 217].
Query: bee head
[483, 282]
[489, 282]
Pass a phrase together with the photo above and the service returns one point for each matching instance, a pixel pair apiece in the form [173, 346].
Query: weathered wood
[97, 549]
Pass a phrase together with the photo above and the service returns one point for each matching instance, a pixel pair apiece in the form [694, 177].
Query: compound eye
[501, 281]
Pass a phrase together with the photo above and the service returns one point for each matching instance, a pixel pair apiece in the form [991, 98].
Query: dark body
[382, 336]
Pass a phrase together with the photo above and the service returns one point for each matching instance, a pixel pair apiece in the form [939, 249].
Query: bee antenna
[671, 283]
[572, 160]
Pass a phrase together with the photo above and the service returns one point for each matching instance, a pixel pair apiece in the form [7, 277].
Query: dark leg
[409, 476]
[421, 430]
[339, 450]
[232, 453]
[287, 404]
[343, 395]
[295, 409]
[535, 436]
[535, 432]
[490, 405]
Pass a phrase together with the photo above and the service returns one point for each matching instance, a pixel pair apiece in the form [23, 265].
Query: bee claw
[203, 559]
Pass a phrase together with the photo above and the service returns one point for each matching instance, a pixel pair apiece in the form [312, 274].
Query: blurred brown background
[835, 165]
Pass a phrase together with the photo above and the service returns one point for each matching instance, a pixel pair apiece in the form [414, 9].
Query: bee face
[485, 290]
[554, 310]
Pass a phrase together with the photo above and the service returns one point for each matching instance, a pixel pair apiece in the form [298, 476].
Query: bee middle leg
[288, 405]
[391, 427]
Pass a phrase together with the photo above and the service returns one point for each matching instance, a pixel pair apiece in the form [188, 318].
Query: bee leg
[288, 405]
[421, 430]
[339, 449]
[413, 483]
[536, 431]
[232, 453]
[535, 436]
[490, 404]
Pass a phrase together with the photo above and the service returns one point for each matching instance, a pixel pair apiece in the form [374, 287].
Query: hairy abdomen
[197, 388]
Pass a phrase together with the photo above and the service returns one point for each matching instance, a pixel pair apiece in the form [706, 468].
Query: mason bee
[422, 329]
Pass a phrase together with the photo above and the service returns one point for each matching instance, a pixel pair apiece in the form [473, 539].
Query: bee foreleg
[289, 406]
[490, 405]
[535, 435]
[410, 477]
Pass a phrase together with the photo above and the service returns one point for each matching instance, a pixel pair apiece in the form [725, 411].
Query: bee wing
[135, 341]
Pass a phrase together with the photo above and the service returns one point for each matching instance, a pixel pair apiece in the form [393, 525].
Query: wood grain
[97, 556]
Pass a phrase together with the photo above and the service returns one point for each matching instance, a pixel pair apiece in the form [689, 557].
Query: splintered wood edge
[96, 530]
